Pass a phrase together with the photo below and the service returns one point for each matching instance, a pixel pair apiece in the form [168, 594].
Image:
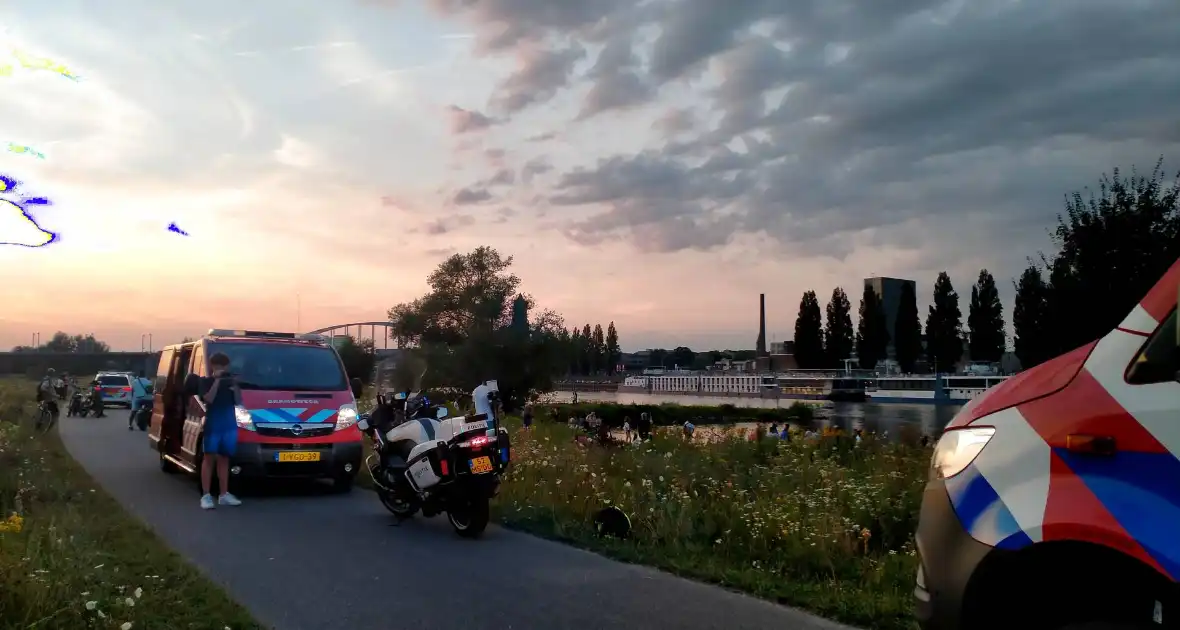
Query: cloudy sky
[657, 163]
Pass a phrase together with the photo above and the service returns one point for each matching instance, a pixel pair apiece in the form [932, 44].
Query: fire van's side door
[192, 423]
[159, 388]
[1142, 490]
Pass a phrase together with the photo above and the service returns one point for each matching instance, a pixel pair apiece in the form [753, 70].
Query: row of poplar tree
[1113, 244]
[826, 344]
[591, 350]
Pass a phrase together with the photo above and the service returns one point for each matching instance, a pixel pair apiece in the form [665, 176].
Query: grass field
[825, 525]
[71, 558]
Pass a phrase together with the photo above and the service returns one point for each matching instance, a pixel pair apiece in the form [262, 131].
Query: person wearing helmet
[47, 392]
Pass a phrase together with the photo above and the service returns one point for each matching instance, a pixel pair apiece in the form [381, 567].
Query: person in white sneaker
[221, 395]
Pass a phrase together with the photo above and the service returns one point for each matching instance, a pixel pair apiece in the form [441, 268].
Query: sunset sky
[654, 163]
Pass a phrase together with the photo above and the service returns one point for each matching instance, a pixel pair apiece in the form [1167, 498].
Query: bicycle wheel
[45, 422]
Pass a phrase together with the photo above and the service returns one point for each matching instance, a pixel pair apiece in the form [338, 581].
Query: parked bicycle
[46, 416]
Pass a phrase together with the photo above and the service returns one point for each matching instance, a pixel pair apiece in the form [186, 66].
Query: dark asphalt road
[305, 561]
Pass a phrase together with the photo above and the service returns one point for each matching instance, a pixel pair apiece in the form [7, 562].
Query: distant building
[782, 347]
[888, 290]
[635, 361]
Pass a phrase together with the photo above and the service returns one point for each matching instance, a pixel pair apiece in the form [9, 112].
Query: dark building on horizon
[888, 290]
[760, 344]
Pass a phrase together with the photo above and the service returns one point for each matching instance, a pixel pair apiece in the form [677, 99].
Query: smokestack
[760, 350]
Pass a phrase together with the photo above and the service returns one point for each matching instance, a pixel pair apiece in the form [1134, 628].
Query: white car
[116, 388]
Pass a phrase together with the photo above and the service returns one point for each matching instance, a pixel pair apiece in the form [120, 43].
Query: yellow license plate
[299, 456]
[481, 465]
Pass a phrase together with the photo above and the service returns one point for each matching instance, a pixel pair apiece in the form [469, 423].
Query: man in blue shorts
[221, 395]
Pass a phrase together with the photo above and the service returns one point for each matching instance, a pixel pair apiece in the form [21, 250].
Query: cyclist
[141, 396]
[47, 392]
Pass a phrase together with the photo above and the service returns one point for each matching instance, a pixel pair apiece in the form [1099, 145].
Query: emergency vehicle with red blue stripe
[298, 414]
[1054, 498]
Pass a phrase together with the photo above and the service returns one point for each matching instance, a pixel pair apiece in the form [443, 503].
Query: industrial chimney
[760, 350]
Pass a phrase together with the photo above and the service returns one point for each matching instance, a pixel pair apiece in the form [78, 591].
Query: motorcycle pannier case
[423, 471]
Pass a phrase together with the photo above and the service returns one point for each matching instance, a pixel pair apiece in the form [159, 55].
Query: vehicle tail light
[478, 441]
[126, 389]
[443, 467]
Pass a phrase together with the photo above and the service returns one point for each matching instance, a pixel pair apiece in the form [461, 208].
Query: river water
[888, 418]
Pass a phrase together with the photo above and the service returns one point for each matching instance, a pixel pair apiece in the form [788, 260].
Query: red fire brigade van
[298, 413]
[1054, 498]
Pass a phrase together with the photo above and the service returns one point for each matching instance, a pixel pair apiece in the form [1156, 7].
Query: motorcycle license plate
[297, 456]
[481, 465]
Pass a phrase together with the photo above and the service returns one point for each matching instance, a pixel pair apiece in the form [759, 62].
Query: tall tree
[589, 361]
[838, 331]
[683, 357]
[575, 352]
[567, 354]
[944, 326]
[872, 332]
[985, 320]
[460, 329]
[1030, 319]
[357, 357]
[598, 350]
[907, 330]
[614, 354]
[1112, 247]
[809, 333]
[657, 357]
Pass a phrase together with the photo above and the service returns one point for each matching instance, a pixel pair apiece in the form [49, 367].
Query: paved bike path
[324, 562]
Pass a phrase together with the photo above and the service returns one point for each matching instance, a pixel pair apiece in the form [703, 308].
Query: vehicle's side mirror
[442, 413]
[358, 387]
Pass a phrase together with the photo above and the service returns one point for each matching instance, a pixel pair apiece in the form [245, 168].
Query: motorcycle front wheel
[470, 518]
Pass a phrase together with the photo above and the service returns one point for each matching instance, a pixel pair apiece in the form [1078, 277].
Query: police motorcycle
[424, 459]
[77, 404]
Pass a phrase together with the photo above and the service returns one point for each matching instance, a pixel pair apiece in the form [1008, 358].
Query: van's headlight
[346, 416]
[243, 418]
[956, 449]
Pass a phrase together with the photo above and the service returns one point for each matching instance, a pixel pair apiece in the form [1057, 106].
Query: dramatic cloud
[469, 196]
[444, 225]
[467, 121]
[813, 121]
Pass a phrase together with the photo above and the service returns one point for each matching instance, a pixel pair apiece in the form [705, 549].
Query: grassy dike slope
[71, 558]
[823, 525]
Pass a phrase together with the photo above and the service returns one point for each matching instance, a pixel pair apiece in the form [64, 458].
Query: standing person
[47, 392]
[221, 395]
[96, 403]
[527, 416]
[644, 426]
[627, 428]
[140, 395]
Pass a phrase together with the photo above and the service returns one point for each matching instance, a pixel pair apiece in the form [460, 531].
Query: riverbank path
[309, 561]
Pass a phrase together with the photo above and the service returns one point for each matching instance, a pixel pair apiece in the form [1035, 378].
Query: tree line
[590, 351]
[825, 338]
[63, 342]
[1112, 246]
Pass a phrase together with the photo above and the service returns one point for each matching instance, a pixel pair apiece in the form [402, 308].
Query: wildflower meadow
[71, 558]
[825, 524]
